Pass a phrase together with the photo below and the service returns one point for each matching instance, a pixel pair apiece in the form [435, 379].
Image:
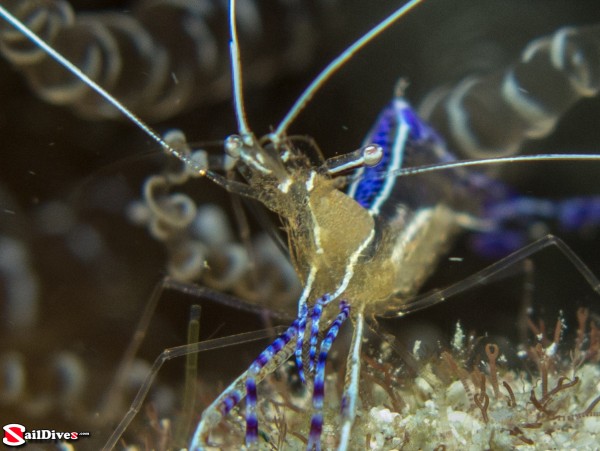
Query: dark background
[89, 307]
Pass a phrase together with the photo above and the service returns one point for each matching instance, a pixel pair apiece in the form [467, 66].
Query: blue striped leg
[302, 317]
[315, 319]
[245, 385]
[264, 359]
[316, 423]
[351, 387]
[512, 218]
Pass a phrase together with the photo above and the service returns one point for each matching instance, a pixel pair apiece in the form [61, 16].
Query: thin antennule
[336, 64]
[236, 74]
[488, 161]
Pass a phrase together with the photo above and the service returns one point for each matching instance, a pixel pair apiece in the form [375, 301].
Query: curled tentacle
[201, 244]
[153, 71]
[493, 115]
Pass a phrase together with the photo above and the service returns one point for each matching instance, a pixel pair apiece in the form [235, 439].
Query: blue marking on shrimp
[316, 424]
[230, 402]
[391, 133]
[314, 328]
[315, 317]
[507, 216]
[579, 213]
[300, 342]
[511, 220]
[406, 141]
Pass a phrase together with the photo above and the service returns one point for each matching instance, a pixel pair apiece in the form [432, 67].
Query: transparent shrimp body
[415, 220]
[379, 252]
[314, 211]
[367, 259]
[368, 248]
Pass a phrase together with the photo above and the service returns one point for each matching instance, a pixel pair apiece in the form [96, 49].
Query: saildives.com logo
[17, 435]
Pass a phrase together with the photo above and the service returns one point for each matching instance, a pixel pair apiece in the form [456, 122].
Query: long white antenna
[236, 74]
[488, 161]
[335, 65]
[15, 22]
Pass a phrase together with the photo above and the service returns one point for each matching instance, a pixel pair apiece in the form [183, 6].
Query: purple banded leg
[230, 402]
[511, 218]
[251, 417]
[579, 213]
[315, 318]
[263, 360]
[300, 341]
[316, 423]
[230, 397]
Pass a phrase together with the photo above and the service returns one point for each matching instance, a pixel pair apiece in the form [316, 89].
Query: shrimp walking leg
[497, 270]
